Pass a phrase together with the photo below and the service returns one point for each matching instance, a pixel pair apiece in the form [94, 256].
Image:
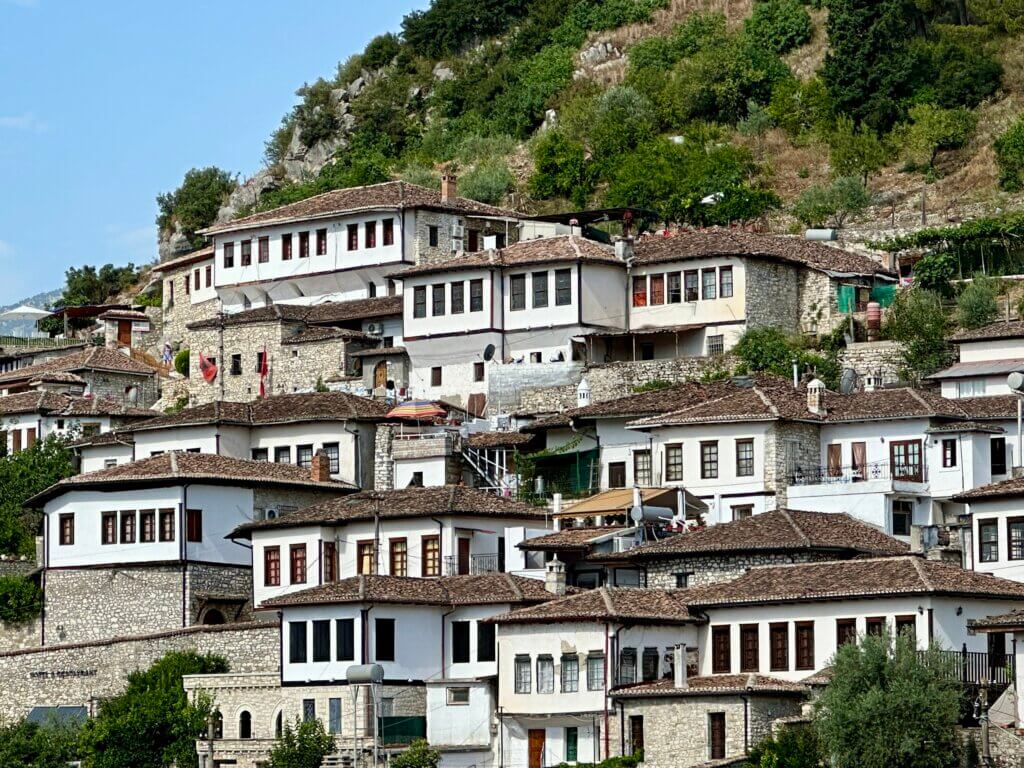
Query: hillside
[23, 328]
[770, 113]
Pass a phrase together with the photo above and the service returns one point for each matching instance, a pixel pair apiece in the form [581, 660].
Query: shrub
[487, 182]
[976, 305]
[21, 599]
[1005, 15]
[423, 175]
[797, 107]
[52, 744]
[660, 53]
[832, 204]
[623, 120]
[1009, 149]
[934, 271]
[934, 129]
[418, 755]
[381, 51]
[560, 168]
[314, 114]
[22, 476]
[963, 71]
[855, 151]
[194, 205]
[302, 745]
[448, 26]
[782, 25]
[181, 362]
[790, 747]
[520, 108]
[918, 321]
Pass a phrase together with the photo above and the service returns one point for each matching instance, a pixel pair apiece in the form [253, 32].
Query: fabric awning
[619, 501]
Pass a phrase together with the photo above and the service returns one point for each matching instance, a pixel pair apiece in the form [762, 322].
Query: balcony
[879, 470]
[478, 564]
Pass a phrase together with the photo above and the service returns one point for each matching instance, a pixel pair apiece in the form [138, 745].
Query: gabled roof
[325, 313]
[579, 539]
[779, 530]
[559, 249]
[729, 242]
[1005, 329]
[628, 605]
[91, 359]
[867, 577]
[395, 195]
[1012, 487]
[183, 261]
[59, 404]
[400, 503]
[482, 589]
[174, 467]
[124, 314]
[499, 439]
[711, 685]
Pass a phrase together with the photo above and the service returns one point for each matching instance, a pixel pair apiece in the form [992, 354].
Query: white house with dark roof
[995, 530]
[987, 356]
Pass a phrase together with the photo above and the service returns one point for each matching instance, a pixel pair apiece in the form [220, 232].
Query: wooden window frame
[984, 524]
[378, 624]
[393, 555]
[742, 443]
[846, 631]
[286, 246]
[193, 526]
[370, 234]
[361, 544]
[297, 564]
[804, 656]
[304, 244]
[345, 629]
[438, 299]
[127, 527]
[896, 474]
[517, 293]
[539, 286]
[228, 258]
[722, 282]
[246, 253]
[419, 301]
[1010, 522]
[66, 529]
[436, 376]
[639, 291]
[705, 284]
[108, 528]
[458, 300]
[748, 664]
[476, 295]
[321, 242]
[674, 449]
[871, 623]
[705, 470]
[166, 532]
[563, 287]
[777, 663]
[902, 621]
[272, 566]
[430, 565]
[329, 562]
[721, 649]
[388, 231]
[263, 250]
[949, 457]
[147, 526]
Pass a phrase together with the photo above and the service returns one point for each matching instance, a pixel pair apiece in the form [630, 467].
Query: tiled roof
[174, 467]
[625, 604]
[59, 404]
[324, 313]
[781, 529]
[1006, 329]
[979, 368]
[58, 377]
[181, 261]
[93, 358]
[578, 539]
[323, 333]
[391, 194]
[400, 503]
[1010, 488]
[992, 407]
[1003, 621]
[710, 685]
[868, 577]
[499, 439]
[112, 437]
[277, 409]
[123, 314]
[963, 426]
[563, 248]
[482, 589]
[723, 242]
[379, 352]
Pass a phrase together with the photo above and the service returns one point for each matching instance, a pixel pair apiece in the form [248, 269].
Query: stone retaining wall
[710, 569]
[873, 358]
[16, 636]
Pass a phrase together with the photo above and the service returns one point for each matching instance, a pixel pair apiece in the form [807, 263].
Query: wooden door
[380, 375]
[636, 733]
[716, 724]
[124, 332]
[536, 748]
[617, 474]
[464, 558]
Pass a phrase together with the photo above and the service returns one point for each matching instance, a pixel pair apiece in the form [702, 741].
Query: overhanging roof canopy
[618, 501]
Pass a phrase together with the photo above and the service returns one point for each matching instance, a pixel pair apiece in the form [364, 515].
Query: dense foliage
[418, 755]
[21, 600]
[194, 204]
[831, 204]
[303, 744]
[23, 475]
[790, 747]
[34, 745]
[917, 320]
[1009, 148]
[976, 305]
[88, 285]
[770, 350]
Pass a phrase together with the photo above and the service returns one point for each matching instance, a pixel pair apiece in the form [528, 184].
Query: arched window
[213, 616]
[216, 725]
[279, 725]
[245, 725]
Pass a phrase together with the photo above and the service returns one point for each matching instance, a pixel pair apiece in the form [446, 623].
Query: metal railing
[877, 470]
[489, 563]
[42, 342]
[974, 666]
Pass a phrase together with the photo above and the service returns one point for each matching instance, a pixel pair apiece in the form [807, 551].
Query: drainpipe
[443, 617]
[183, 549]
[359, 462]
[440, 546]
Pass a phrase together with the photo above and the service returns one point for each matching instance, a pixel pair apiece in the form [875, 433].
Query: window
[229, 255]
[545, 674]
[283, 454]
[304, 455]
[716, 344]
[617, 474]
[366, 560]
[321, 242]
[649, 666]
[458, 298]
[272, 566]
[750, 659]
[949, 452]
[970, 388]
[673, 463]
[236, 365]
[1015, 538]
[572, 740]
[334, 715]
[476, 295]
[193, 525]
[485, 641]
[345, 629]
[263, 254]
[432, 238]
[902, 516]
[627, 666]
[246, 253]
[709, 459]
[846, 631]
[398, 557]
[388, 231]
[457, 697]
[690, 285]
[109, 532]
[540, 289]
[523, 681]
[636, 733]
[384, 634]
[108, 463]
[370, 234]
[804, 644]
[259, 454]
[595, 671]
[195, 278]
[473, 240]
[303, 245]
[725, 282]
[259, 361]
[308, 710]
[517, 292]
[286, 247]
[721, 650]
[478, 371]
[435, 376]
[67, 529]
[570, 673]
[642, 468]
[147, 526]
[657, 290]
[536, 357]
[744, 458]
[437, 303]
[297, 642]
[675, 292]
[716, 735]
[419, 301]
[905, 460]
[460, 642]
[333, 457]
[430, 556]
[708, 284]
[352, 237]
[329, 562]
[563, 287]
[906, 625]
[683, 580]
[244, 725]
[997, 445]
[875, 625]
[166, 525]
[640, 290]
[322, 640]
[778, 636]
[742, 511]
[297, 572]
[209, 276]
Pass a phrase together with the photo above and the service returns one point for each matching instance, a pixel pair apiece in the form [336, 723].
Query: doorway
[124, 333]
[380, 375]
[536, 748]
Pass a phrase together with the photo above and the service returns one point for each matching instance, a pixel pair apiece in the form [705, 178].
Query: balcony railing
[489, 563]
[878, 470]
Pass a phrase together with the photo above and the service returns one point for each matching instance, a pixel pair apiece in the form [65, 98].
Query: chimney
[320, 468]
[583, 394]
[574, 227]
[554, 577]
[679, 666]
[816, 397]
[449, 186]
[624, 249]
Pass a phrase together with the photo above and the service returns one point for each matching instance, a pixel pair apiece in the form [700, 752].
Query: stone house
[141, 547]
[100, 372]
[125, 328]
[188, 294]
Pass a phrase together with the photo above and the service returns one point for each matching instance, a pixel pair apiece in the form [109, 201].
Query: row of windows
[709, 460]
[539, 284]
[303, 455]
[387, 230]
[439, 296]
[988, 539]
[129, 526]
[366, 560]
[568, 677]
[677, 287]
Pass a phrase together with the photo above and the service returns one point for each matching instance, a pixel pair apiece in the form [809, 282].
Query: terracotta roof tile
[379, 352]
[579, 539]
[708, 685]
[1006, 329]
[93, 358]
[317, 314]
[625, 604]
[1003, 621]
[321, 333]
[398, 195]
[499, 439]
[58, 377]
[181, 261]
[1009, 488]
[112, 437]
[57, 403]
[123, 314]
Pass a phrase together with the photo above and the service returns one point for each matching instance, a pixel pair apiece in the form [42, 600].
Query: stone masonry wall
[209, 585]
[24, 635]
[819, 311]
[75, 674]
[245, 340]
[383, 459]
[299, 366]
[872, 358]
[425, 254]
[773, 295]
[711, 569]
[789, 445]
[114, 386]
[178, 315]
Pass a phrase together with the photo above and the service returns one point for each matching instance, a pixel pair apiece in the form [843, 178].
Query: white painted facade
[201, 282]
[978, 385]
[995, 544]
[104, 456]
[36, 426]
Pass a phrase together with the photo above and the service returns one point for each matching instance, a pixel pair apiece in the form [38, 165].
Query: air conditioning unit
[458, 231]
[375, 329]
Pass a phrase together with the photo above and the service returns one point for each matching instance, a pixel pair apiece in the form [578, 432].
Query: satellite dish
[847, 381]
[489, 352]
[1015, 381]
[636, 514]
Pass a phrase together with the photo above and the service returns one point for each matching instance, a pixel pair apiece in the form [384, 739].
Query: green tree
[918, 321]
[934, 271]
[181, 362]
[782, 25]
[152, 724]
[623, 119]
[855, 150]
[418, 755]
[195, 203]
[790, 747]
[1005, 15]
[302, 745]
[448, 26]
[88, 285]
[1009, 149]
[21, 600]
[934, 129]
[381, 51]
[832, 204]
[34, 745]
[798, 107]
[487, 181]
[976, 305]
[887, 706]
[23, 475]
[560, 168]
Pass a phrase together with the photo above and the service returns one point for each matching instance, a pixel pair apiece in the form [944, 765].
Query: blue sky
[104, 104]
